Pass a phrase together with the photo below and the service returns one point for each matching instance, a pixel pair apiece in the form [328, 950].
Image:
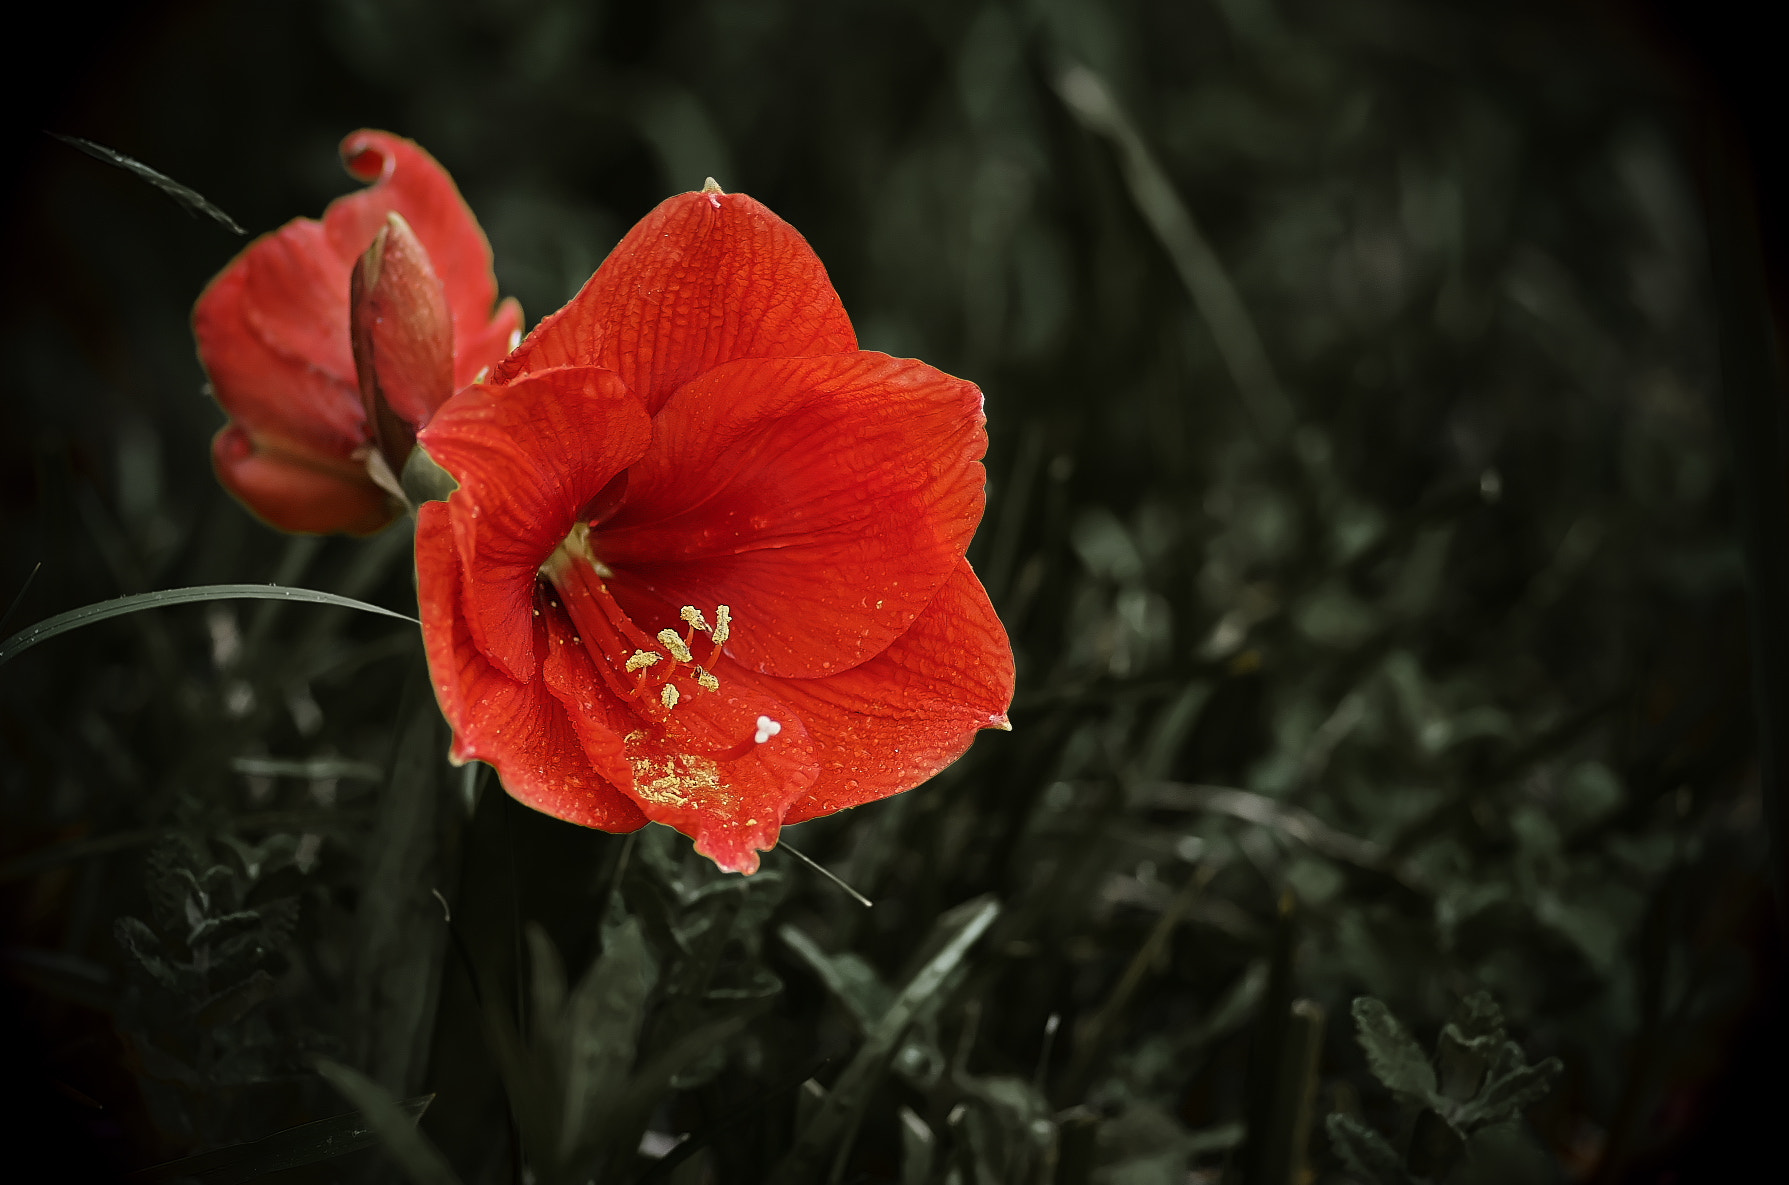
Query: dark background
[1473, 238]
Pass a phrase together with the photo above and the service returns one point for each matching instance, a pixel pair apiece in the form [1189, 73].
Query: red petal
[519, 728]
[893, 722]
[475, 354]
[696, 766]
[705, 278]
[297, 491]
[410, 181]
[264, 377]
[402, 335]
[528, 457]
[824, 500]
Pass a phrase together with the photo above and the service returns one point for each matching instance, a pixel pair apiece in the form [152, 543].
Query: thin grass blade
[50, 627]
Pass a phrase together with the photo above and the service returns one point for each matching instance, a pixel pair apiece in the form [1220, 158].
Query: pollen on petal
[669, 695]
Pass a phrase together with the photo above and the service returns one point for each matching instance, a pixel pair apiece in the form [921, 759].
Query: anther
[694, 616]
[706, 681]
[723, 623]
[669, 695]
[642, 659]
[670, 641]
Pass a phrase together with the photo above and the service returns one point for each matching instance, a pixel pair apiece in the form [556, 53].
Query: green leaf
[1507, 1095]
[1468, 1045]
[602, 1028]
[140, 942]
[953, 935]
[1392, 1053]
[305, 1144]
[414, 1152]
[918, 1149]
[50, 627]
[1366, 1153]
[846, 976]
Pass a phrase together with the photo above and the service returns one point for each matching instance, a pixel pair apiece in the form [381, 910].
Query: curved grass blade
[192, 199]
[88, 614]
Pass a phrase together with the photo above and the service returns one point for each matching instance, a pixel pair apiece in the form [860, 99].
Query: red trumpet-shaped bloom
[329, 343]
[705, 562]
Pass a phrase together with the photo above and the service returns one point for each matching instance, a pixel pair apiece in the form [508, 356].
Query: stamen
[669, 695]
[723, 624]
[694, 616]
[642, 659]
[670, 641]
[767, 728]
[708, 682]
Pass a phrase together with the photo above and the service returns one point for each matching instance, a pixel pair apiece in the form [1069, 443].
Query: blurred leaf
[393, 1123]
[1511, 1090]
[601, 1027]
[1366, 1153]
[305, 1144]
[1392, 1053]
[953, 934]
[848, 977]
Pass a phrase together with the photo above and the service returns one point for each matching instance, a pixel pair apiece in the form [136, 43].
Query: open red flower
[705, 562]
[325, 387]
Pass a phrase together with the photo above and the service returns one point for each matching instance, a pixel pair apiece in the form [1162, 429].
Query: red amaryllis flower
[325, 387]
[705, 562]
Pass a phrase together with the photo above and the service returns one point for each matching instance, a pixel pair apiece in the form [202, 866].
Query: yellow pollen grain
[723, 623]
[707, 681]
[642, 659]
[670, 641]
[669, 695]
[694, 616]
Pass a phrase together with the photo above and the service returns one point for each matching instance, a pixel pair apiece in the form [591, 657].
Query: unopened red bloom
[705, 562]
[329, 343]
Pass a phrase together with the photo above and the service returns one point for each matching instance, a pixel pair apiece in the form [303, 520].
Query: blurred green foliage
[1357, 508]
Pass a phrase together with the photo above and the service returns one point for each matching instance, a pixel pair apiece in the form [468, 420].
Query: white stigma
[767, 728]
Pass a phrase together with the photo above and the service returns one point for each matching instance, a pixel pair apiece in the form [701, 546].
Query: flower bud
[402, 332]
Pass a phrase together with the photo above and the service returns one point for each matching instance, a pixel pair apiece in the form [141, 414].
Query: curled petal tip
[366, 157]
[1001, 722]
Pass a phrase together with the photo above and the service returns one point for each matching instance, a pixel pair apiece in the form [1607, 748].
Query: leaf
[954, 933]
[234, 1002]
[1505, 1097]
[918, 1148]
[395, 1128]
[1468, 1044]
[548, 984]
[853, 981]
[1366, 1153]
[305, 1144]
[141, 944]
[194, 201]
[50, 627]
[1392, 1053]
[602, 1027]
[625, 1115]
